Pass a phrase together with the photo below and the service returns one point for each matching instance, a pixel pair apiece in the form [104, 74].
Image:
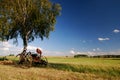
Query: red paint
[38, 51]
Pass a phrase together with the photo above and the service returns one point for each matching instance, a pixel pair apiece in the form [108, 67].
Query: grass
[100, 66]
[86, 61]
[35, 73]
[62, 68]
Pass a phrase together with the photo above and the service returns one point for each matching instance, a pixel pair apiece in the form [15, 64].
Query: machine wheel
[44, 61]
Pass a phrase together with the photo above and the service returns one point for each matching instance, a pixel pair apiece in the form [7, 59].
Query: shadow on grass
[85, 69]
[115, 59]
[73, 68]
[60, 66]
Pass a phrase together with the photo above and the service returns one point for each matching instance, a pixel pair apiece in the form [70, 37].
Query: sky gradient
[85, 27]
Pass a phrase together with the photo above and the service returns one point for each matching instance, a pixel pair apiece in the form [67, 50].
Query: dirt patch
[7, 62]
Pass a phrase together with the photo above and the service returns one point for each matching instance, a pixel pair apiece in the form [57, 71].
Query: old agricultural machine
[31, 58]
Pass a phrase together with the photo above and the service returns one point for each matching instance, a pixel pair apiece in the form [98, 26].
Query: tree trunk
[25, 43]
[25, 40]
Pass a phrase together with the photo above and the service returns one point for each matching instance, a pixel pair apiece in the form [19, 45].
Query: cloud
[81, 53]
[97, 49]
[84, 41]
[55, 53]
[116, 30]
[94, 53]
[117, 52]
[4, 46]
[18, 50]
[33, 48]
[5, 49]
[89, 53]
[103, 39]
[72, 52]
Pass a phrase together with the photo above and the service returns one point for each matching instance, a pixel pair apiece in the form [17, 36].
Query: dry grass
[22, 73]
[6, 62]
[63, 69]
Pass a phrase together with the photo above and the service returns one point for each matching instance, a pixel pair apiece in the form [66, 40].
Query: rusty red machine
[31, 58]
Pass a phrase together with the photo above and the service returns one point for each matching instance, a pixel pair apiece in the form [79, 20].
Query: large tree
[27, 19]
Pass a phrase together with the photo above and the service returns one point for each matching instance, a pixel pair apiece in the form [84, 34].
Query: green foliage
[28, 19]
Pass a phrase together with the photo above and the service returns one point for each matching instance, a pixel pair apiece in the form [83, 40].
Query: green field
[104, 67]
[62, 68]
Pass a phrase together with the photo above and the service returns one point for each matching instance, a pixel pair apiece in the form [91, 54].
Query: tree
[27, 19]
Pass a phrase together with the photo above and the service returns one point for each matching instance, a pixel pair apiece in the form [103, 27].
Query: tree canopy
[27, 19]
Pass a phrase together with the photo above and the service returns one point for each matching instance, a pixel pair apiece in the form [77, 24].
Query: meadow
[65, 68]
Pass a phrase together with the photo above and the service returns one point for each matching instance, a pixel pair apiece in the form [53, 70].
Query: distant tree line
[11, 55]
[107, 56]
[97, 56]
[80, 55]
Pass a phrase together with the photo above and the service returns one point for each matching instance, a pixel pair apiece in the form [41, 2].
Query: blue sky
[84, 27]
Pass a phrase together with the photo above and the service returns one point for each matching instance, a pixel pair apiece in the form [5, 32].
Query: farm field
[62, 68]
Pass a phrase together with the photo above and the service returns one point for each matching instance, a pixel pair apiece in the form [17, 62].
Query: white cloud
[90, 53]
[55, 53]
[93, 53]
[103, 39]
[81, 53]
[5, 49]
[117, 52]
[33, 48]
[116, 30]
[5, 45]
[96, 49]
[72, 52]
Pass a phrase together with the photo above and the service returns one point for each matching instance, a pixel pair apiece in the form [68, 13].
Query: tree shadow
[62, 66]
[58, 66]
[115, 59]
